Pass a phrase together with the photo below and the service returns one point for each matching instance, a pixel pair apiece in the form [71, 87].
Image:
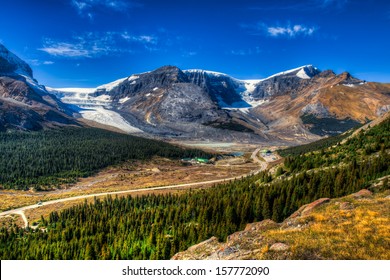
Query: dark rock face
[221, 88]
[144, 83]
[25, 105]
[10, 63]
[296, 106]
[168, 101]
[186, 102]
[288, 83]
[6, 67]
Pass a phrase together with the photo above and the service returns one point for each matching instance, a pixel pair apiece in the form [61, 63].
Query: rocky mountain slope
[24, 104]
[352, 227]
[298, 105]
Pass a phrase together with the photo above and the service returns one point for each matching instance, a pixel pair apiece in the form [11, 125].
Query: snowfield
[95, 108]
[101, 115]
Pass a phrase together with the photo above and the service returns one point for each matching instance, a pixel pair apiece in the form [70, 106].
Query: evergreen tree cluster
[158, 226]
[375, 140]
[47, 159]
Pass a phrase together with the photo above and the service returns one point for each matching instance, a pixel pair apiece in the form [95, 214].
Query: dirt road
[20, 211]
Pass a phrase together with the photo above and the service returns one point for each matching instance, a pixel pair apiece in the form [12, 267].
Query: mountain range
[293, 106]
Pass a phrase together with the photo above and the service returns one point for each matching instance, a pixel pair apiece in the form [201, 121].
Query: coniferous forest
[45, 160]
[158, 226]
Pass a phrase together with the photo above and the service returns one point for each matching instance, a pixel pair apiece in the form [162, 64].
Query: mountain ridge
[294, 106]
[287, 106]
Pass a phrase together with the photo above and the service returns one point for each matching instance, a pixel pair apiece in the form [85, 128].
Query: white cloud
[302, 6]
[147, 39]
[79, 5]
[88, 7]
[189, 54]
[95, 44]
[338, 4]
[245, 52]
[66, 49]
[290, 31]
[279, 30]
[37, 62]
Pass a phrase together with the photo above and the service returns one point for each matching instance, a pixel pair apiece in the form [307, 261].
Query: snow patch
[111, 85]
[156, 88]
[75, 90]
[132, 78]
[302, 74]
[33, 83]
[205, 71]
[123, 100]
[101, 115]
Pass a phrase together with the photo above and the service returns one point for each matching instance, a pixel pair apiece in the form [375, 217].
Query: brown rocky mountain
[298, 105]
[325, 104]
[294, 106]
[24, 104]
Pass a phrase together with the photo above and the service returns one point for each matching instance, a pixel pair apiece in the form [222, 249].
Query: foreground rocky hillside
[353, 227]
[24, 104]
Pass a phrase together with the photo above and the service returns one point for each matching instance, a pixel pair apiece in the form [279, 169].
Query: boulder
[364, 193]
[278, 247]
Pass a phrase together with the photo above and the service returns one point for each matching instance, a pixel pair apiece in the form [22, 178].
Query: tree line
[47, 159]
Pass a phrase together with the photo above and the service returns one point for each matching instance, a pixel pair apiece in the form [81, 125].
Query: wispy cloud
[245, 52]
[338, 4]
[188, 53]
[146, 39]
[65, 49]
[88, 7]
[288, 30]
[37, 62]
[95, 44]
[303, 6]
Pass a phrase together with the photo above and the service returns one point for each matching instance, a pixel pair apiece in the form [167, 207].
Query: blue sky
[86, 43]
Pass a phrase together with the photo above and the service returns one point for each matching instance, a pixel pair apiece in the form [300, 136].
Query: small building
[202, 160]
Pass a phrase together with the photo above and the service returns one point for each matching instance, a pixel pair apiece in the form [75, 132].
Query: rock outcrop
[298, 236]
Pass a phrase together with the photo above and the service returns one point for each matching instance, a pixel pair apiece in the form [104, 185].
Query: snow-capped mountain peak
[303, 72]
[112, 85]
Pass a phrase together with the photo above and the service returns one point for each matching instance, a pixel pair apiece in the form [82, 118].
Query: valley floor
[134, 178]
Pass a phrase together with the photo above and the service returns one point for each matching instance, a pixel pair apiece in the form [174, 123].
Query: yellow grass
[360, 233]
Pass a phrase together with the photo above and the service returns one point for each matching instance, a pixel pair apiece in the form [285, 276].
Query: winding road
[20, 211]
